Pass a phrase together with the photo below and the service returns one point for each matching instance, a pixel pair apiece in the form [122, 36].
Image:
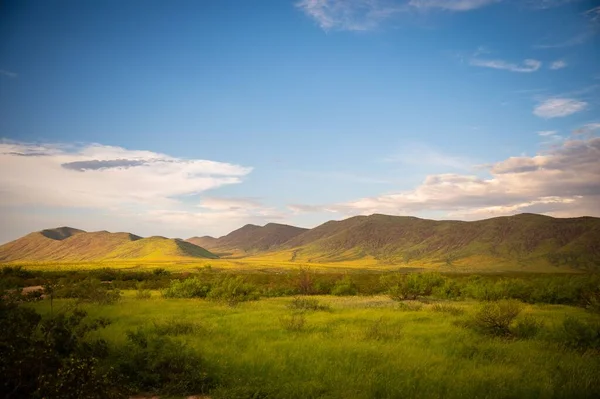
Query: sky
[190, 118]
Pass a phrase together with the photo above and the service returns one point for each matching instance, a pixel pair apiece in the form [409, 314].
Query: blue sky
[189, 118]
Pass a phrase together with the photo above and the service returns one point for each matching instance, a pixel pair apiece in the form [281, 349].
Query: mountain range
[523, 242]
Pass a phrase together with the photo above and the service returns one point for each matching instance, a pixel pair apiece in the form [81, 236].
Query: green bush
[299, 303]
[494, 318]
[526, 327]
[156, 363]
[89, 290]
[188, 288]
[579, 335]
[293, 322]
[344, 286]
[52, 357]
[411, 286]
[233, 290]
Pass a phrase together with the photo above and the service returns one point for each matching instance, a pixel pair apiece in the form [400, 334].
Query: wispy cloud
[420, 154]
[590, 25]
[529, 65]
[559, 64]
[453, 5]
[546, 133]
[353, 15]
[564, 181]
[587, 129]
[559, 107]
[8, 74]
[361, 15]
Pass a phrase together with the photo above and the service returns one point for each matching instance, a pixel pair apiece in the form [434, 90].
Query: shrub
[88, 290]
[450, 289]
[344, 286]
[526, 327]
[304, 280]
[293, 322]
[150, 363]
[411, 286]
[307, 304]
[233, 290]
[495, 317]
[161, 272]
[446, 308]
[143, 293]
[53, 357]
[579, 335]
[188, 288]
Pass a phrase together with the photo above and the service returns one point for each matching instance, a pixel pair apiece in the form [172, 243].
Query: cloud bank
[562, 182]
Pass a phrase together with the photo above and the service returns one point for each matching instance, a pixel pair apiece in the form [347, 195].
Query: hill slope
[72, 245]
[252, 238]
[519, 240]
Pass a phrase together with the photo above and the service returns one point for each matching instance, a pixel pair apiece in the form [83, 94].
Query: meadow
[359, 347]
[299, 333]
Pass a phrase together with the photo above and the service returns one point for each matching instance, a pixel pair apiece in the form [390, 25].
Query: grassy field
[360, 347]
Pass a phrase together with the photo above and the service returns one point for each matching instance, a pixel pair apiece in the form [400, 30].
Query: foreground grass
[362, 347]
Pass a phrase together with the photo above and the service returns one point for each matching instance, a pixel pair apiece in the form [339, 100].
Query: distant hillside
[72, 245]
[252, 238]
[204, 242]
[525, 240]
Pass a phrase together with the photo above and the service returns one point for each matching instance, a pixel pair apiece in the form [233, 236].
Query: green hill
[72, 245]
[525, 240]
[252, 238]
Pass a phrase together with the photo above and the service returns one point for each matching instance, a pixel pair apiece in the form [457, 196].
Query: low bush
[579, 335]
[410, 286]
[89, 290]
[344, 286]
[156, 363]
[52, 357]
[233, 290]
[188, 288]
[526, 327]
[299, 303]
[293, 322]
[495, 318]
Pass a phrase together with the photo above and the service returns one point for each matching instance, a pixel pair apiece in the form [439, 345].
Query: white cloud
[453, 5]
[98, 176]
[8, 74]
[361, 15]
[588, 129]
[546, 133]
[560, 64]
[529, 65]
[559, 107]
[564, 181]
[229, 204]
[354, 15]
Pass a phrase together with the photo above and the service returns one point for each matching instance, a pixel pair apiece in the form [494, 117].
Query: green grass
[362, 347]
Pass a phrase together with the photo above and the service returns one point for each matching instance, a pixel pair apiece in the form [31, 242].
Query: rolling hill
[73, 245]
[251, 238]
[525, 240]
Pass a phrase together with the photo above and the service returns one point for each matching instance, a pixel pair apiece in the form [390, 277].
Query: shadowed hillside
[252, 238]
[72, 245]
[521, 239]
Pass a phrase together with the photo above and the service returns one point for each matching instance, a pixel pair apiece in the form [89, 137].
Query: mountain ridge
[519, 242]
